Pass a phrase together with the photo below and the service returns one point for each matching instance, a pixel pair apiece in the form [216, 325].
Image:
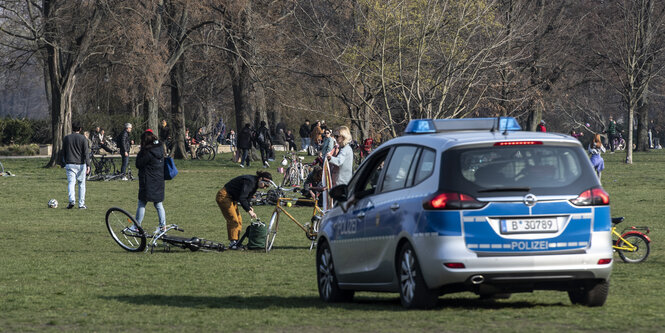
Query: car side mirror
[339, 193]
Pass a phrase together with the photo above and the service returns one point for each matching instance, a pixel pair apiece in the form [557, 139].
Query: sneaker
[234, 245]
[70, 206]
[266, 164]
[242, 166]
[83, 207]
[132, 228]
[160, 229]
[124, 178]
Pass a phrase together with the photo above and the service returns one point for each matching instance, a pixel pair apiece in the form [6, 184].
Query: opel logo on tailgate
[530, 199]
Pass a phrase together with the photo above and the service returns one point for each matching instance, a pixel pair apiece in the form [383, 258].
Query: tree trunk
[629, 139]
[643, 125]
[178, 109]
[153, 108]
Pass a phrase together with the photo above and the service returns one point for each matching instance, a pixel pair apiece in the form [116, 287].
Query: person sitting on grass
[238, 191]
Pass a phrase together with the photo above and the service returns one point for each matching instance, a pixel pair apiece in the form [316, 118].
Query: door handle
[361, 215]
[394, 206]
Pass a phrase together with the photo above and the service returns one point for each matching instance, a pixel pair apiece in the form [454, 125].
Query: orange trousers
[229, 209]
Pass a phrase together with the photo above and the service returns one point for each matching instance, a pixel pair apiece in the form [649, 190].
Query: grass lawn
[61, 271]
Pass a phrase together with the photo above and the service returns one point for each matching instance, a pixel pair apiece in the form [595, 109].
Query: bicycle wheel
[272, 231]
[205, 153]
[641, 244]
[118, 222]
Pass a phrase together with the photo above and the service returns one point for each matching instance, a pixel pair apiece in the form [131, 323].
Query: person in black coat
[124, 145]
[245, 144]
[150, 163]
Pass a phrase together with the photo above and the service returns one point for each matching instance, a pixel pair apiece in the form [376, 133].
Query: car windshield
[541, 169]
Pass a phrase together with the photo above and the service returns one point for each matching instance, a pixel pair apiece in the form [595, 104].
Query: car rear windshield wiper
[506, 189]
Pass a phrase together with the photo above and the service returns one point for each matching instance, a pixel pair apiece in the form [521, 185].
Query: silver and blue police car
[468, 205]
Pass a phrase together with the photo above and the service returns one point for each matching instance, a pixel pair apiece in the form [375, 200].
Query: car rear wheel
[594, 294]
[329, 290]
[413, 291]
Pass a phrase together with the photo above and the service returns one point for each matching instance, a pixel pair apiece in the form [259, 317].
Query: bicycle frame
[193, 243]
[628, 247]
[311, 230]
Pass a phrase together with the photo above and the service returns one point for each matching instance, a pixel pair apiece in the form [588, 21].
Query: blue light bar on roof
[499, 124]
[419, 126]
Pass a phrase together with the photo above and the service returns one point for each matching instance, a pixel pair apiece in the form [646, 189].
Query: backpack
[256, 236]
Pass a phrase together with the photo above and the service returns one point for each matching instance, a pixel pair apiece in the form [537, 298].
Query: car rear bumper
[548, 270]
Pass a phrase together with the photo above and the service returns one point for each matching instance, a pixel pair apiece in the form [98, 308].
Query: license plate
[520, 226]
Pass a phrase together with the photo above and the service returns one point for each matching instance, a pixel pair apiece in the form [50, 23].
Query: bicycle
[103, 166]
[119, 221]
[632, 244]
[297, 172]
[206, 151]
[311, 228]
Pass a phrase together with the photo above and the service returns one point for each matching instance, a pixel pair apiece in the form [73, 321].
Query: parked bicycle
[310, 228]
[207, 149]
[103, 166]
[297, 171]
[632, 244]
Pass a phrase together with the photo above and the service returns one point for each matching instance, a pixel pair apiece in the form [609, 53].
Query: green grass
[60, 269]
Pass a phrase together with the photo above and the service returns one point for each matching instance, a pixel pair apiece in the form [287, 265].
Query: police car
[468, 205]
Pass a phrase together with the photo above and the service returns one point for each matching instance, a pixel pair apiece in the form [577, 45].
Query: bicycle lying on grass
[632, 243]
[119, 223]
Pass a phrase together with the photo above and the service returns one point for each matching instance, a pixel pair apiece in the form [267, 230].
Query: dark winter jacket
[267, 138]
[242, 188]
[150, 163]
[245, 138]
[304, 131]
[125, 142]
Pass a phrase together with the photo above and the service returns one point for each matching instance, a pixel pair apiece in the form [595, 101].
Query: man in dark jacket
[124, 145]
[245, 144]
[238, 191]
[304, 135]
[76, 158]
[264, 143]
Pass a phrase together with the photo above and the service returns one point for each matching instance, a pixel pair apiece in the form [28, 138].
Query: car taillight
[452, 200]
[592, 197]
[518, 143]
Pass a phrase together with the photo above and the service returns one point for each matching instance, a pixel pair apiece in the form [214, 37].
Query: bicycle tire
[640, 242]
[272, 231]
[117, 222]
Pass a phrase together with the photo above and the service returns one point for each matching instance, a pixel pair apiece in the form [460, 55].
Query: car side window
[368, 179]
[398, 169]
[425, 165]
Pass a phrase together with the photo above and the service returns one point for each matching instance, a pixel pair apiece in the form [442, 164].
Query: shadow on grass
[359, 303]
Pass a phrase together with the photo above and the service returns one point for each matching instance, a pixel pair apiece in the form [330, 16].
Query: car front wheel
[329, 290]
[413, 291]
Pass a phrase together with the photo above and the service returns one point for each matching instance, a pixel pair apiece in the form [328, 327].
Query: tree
[59, 33]
[632, 43]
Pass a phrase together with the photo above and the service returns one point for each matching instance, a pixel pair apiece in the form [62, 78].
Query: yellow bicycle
[632, 243]
[310, 228]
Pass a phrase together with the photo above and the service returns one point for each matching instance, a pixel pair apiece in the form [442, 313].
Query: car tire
[591, 295]
[329, 290]
[413, 291]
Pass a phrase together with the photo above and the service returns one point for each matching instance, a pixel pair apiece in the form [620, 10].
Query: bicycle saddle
[617, 220]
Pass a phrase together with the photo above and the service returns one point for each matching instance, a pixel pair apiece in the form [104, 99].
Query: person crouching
[239, 190]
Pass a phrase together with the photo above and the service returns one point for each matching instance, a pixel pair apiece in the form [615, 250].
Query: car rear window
[538, 169]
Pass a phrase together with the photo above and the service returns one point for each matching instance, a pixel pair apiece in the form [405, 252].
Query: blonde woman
[344, 159]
